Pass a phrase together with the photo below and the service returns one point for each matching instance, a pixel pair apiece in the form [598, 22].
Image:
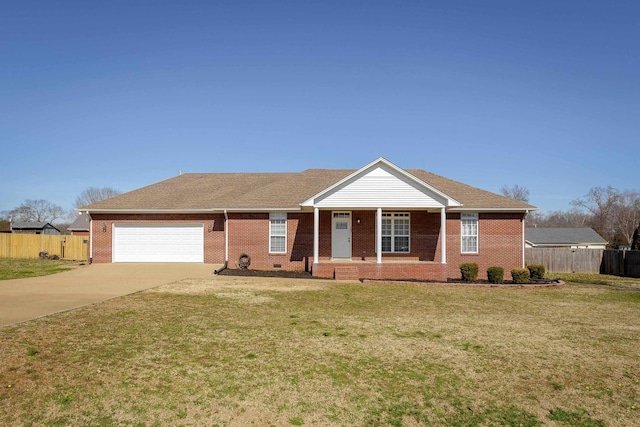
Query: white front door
[341, 235]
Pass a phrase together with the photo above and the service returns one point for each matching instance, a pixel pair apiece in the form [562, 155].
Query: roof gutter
[186, 211]
[290, 209]
[463, 209]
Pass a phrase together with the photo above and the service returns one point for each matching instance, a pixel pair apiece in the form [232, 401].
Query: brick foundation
[391, 270]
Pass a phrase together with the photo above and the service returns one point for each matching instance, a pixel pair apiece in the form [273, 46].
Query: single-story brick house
[380, 221]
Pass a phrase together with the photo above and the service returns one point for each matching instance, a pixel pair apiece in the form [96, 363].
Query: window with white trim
[396, 232]
[277, 232]
[469, 233]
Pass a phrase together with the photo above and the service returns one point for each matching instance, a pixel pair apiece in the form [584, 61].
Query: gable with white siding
[381, 185]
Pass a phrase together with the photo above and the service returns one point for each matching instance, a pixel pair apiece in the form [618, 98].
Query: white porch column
[443, 236]
[316, 234]
[379, 236]
[524, 238]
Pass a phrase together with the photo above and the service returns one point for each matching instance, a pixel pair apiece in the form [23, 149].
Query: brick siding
[249, 234]
[500, 242]
[391, 270]
[213, 240]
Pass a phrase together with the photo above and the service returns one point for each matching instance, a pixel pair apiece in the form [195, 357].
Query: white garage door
[158, 243]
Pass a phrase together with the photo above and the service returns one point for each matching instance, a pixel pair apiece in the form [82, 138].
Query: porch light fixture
[104, 227]
[358, 220]
[210, 227]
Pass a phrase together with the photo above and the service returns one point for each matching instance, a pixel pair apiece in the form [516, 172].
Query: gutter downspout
[90, 237]
[226, 243]
[226, 237]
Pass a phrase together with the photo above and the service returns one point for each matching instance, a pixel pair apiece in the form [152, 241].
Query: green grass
[579, 418]
[596, 279]
[255, 351]
[22, 268]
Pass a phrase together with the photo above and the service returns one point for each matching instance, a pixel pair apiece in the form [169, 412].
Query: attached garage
[158, 243]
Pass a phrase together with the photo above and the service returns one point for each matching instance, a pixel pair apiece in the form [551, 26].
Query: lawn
[11, 268]
[598, 279]
[237, 351]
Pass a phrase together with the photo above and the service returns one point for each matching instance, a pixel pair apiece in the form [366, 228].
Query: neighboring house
[80, 227]
[379, 221]
[33, 228]
[5, 227]
[564, 237]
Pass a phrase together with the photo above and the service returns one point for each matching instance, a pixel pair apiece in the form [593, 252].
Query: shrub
[520, 275]
[469, 271]
[495, 274]
[537, 271]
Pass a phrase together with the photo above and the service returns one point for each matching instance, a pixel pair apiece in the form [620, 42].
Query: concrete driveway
[26, 299]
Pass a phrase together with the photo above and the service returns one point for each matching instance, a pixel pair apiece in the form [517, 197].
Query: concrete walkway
[26, 299]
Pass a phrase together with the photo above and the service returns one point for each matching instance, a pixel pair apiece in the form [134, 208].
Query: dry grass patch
[217, 284]
[267, 351]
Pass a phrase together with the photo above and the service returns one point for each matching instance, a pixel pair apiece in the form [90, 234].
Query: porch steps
[346, 273]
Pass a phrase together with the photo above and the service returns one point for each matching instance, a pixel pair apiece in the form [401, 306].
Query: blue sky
[123, 94]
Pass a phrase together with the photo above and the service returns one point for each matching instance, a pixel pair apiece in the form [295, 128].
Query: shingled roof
[32, 225]
[81, 223]
[253, 191]
[557, 236]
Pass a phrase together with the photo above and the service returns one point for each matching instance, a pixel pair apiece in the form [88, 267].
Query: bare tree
[516, 193]
[600, 203]
[570, 218]
[37, 211]
[614, 214]
[93, 194]
[635, 243]
[626, 216]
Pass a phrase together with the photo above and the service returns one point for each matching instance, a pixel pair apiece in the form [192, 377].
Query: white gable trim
[381, 184]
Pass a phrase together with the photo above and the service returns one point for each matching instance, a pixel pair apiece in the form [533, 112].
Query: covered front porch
[380, 244]
[380, 222]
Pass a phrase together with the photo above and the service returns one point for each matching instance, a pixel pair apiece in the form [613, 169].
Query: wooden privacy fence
[30, 246]
[565, 260]
[621, 263]
[562, 260]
